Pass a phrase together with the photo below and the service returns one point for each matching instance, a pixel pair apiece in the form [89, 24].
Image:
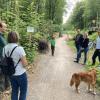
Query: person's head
[78, 31]
[3, 27]
[13, 37]
[53, 36]
[85, 35]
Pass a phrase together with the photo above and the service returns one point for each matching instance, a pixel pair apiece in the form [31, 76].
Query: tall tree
[54, 10]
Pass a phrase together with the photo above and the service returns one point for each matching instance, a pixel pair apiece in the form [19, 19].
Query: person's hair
[12, 37]
[85, 35]
[1, 24]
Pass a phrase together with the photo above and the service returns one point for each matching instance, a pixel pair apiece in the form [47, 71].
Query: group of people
[19, 79]
[81, 44]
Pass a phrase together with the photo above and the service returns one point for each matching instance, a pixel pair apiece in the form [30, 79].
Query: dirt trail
[50, 80]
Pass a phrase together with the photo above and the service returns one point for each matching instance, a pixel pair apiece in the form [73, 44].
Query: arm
[24, 61]
[22, 56]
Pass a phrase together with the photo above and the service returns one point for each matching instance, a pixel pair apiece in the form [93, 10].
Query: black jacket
[85, 43]
[79, 39]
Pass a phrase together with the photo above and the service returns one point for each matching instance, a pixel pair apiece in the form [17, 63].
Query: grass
[71, 44]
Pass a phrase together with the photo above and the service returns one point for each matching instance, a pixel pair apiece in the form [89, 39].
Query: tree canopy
[85, 13]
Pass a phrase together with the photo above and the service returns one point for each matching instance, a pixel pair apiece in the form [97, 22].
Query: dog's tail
[72, 81]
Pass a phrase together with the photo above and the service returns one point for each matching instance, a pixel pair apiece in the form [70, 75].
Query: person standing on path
[4, 80]
[97, 51]
[19, 79]
[78, 41]
[84, 48]
[78, 44]
[52, 42]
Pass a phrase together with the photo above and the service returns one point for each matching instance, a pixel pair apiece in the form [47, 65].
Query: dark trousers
[78, 52]
[77, 48]
[19, 85]
[52, 50]
[96, 53]
[85, 50]
[4, 82]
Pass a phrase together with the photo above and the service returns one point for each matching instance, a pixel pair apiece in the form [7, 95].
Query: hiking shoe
[76, 61]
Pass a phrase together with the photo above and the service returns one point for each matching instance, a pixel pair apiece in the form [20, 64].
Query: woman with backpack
[19, 78]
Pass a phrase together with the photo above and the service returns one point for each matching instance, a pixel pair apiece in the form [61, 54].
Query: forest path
[52, 75]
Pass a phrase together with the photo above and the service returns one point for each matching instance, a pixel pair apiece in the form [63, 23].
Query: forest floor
[49, 79]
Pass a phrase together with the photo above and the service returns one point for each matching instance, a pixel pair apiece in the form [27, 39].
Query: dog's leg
[77, 85]
[89, 87]
[93, 85]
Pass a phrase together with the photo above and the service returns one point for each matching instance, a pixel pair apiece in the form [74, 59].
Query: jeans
[77, 48]
[96, 53]
[79, 53]
[19, 85]
[85, 54]
[85, 50]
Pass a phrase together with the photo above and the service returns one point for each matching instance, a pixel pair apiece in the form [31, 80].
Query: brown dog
[88, 77]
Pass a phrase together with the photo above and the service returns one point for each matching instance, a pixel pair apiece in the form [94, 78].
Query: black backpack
[7, 64]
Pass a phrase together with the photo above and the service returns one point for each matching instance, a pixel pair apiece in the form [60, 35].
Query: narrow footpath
[51, 78]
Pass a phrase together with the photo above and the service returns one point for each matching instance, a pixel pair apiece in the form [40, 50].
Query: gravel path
[51, 77]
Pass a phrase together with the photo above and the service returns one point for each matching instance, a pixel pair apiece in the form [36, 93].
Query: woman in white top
[19, 79]
[97, 51]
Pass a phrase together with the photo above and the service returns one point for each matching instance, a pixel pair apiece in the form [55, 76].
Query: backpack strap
[11, 54]
[13, 50]
[18, 62]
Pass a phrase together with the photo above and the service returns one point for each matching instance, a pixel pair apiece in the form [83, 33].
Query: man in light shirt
[97, 51]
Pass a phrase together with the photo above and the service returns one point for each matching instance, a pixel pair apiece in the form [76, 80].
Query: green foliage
[83, 15]
[77, 17]
[93, 36]
[30, 46]
[54, 10]
[44, 15]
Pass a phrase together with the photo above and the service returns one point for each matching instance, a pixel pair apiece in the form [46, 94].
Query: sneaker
[76, 61]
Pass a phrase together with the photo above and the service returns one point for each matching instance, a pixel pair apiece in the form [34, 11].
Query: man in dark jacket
[2, 40]
[84, 48]
[78, 43]
[3, 79]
